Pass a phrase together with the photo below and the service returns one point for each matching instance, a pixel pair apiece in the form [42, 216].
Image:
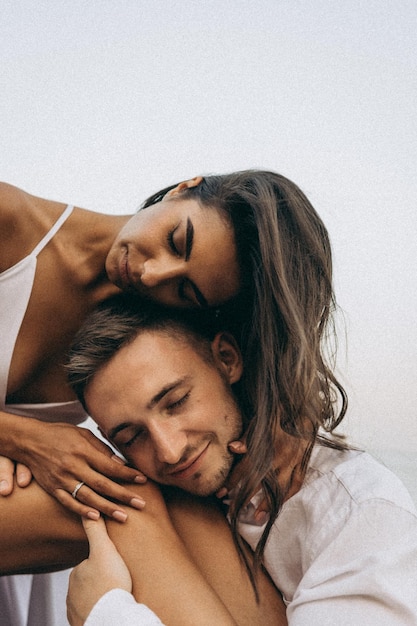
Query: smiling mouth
[190, 467]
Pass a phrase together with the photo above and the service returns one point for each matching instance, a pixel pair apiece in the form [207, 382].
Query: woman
[249, 239]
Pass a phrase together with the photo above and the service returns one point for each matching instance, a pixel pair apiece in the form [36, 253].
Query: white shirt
[344, 548]
[342, 551]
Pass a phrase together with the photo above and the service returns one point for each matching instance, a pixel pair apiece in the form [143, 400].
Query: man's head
[160, 390]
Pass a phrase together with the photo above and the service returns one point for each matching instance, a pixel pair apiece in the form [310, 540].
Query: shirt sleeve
[120, 607]
[366, 575]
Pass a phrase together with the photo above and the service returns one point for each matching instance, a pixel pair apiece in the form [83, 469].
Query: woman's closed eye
[173, 241]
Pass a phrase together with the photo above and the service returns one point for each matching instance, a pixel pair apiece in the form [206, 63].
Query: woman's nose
[156, 272]
[169, 443]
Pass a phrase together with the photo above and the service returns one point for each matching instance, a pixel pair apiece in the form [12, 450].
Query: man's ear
[186, 184]
[228, 356]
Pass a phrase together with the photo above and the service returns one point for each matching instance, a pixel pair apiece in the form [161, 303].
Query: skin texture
[176, 247]
[169, 411]
[183, 547]
[59, 455]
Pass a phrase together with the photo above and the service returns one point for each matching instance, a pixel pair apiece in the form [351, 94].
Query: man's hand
[102, 571]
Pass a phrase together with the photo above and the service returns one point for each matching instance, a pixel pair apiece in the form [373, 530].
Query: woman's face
[177, 253]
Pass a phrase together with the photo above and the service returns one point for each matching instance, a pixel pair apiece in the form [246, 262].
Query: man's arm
[196, 564]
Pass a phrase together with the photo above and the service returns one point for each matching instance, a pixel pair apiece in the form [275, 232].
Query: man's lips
[189, 467]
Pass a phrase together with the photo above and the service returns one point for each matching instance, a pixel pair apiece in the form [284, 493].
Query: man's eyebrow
[118, 428]
[189, 237]
[154, 400]
[163, 392]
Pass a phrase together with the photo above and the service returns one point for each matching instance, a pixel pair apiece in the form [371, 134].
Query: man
[174, 413]
[184, 379]
[343, 549]
[164, 391]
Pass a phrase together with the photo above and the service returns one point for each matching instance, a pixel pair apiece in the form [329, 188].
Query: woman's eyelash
[171, 242]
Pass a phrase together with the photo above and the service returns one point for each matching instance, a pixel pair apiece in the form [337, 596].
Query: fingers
[97, 536]
[116, 468]
[89, 502]
[99, 489]
[6, 476]
[23, 475]
[79, 456]
[110, 463]
[238, 447]
[262, 514]
[235, 447]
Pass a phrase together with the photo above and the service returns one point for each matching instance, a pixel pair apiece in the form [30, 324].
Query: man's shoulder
[355, 477]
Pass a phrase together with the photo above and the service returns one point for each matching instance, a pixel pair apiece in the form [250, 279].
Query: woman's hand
[239, 448]
[8, 470]
[102, 571]
[61, 456]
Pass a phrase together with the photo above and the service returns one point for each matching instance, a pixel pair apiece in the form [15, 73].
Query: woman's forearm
[37, 533]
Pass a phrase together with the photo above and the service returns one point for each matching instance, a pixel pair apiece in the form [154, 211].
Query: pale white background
[103, 102]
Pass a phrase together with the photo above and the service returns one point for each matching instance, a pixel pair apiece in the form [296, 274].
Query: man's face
[171, 413]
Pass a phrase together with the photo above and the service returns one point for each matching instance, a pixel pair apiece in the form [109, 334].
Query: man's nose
[170, 443]
[156, 272]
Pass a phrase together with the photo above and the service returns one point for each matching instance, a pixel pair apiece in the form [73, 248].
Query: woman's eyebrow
[189, 237]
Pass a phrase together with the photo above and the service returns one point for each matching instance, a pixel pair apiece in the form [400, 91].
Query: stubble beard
[209, 486]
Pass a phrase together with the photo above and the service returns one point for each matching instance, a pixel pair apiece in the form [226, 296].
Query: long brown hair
[283, 321]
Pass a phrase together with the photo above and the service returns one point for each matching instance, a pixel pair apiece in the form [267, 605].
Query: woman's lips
[123, 270]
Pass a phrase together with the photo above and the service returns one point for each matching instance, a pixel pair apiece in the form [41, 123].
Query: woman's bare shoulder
[11, 200]
[17, 223]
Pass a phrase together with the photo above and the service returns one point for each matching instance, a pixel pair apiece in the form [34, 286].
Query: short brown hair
[118, 321]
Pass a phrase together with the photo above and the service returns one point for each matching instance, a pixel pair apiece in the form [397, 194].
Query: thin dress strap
[53, 230]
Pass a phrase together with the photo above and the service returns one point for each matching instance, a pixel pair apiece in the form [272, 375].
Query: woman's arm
[37, 534]
[60, 456]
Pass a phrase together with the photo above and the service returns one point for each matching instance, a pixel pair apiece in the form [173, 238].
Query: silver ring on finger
[76, 490]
